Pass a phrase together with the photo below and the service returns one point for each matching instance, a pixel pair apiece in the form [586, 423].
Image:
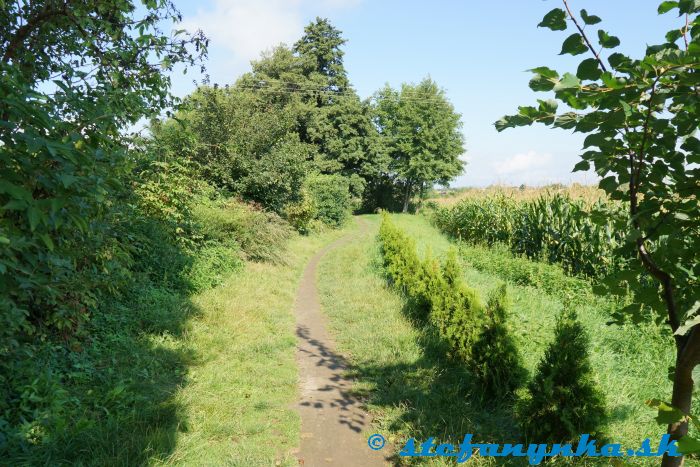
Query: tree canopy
[422, 136]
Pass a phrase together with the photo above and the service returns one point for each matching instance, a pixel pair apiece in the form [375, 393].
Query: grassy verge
[237, 402]
[413, 392]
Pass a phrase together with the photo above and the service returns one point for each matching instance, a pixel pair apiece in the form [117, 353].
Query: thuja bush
[475, 335]
[563, 399]
[495, 362]
[400, 257]
[456, 310]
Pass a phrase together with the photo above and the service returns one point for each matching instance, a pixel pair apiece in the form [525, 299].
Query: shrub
[495, 362]
[456, 310]
[563, 401]
[261, 235]
[211, 264]
[331, 196]
[439, 295]
[301, 214]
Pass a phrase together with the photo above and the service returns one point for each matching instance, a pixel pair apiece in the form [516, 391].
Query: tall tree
[641, 117]
[322, 56]
[421, 131]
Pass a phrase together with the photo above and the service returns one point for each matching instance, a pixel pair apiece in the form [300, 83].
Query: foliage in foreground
[563, 399]
[640, 117]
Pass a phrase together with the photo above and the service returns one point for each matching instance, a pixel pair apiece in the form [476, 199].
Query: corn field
[553, 227]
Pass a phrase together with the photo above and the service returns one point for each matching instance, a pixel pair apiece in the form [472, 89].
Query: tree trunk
[687, 358]
[407, 196]
[681, 399]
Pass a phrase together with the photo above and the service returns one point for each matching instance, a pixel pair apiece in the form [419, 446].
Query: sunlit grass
[238, 398]
[412, 391]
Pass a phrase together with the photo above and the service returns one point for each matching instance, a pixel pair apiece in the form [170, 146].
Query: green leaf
[606, 40]
[609, 184]
[673, 36]
[688, 6]
[545, 72]
[688, 445]
[4, 240]
[589, 69]
[549, 105]
[34, 216]
[568, 81]
[554, 20]
[612, 82]
[589, 19]
[626, 108]
[15, 191]
[47, 241]
[617, 60]
[573, 45]
[667, 6]
[667, 413]
[540, 83]
[690, 322]
[582, 166]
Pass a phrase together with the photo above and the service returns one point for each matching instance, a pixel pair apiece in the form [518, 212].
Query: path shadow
[347, 401]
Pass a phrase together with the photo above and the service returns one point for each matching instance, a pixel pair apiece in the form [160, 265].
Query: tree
[241, 143]
[346, 139]
[640, 117]
[422, 134]
[563, 401]
[322, 57]
[74, 74]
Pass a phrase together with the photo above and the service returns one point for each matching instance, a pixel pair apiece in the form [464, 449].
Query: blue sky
[477, 51]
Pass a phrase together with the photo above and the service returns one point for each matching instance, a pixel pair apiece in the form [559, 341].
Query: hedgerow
[440, 297]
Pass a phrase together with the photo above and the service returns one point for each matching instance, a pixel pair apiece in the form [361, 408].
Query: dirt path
[333, 424]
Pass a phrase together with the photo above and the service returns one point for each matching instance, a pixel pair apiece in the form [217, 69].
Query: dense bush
[495, 361]
[555, 228]
[261, 235]
[563, 401]
[331, 197]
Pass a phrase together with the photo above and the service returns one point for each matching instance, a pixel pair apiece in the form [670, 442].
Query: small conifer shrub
[564, 401]
[495, 362]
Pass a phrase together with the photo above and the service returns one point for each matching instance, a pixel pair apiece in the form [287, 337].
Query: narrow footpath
[333, 424]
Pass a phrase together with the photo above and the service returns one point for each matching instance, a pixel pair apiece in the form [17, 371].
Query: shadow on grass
[437, 393]
[110, 394]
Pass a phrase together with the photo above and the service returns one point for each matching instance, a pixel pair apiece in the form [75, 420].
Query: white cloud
[248, 27]
[522, 163]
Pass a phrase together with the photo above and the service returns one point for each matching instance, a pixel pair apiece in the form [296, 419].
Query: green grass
[239, 395]
[412, 391]
[208, 379]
